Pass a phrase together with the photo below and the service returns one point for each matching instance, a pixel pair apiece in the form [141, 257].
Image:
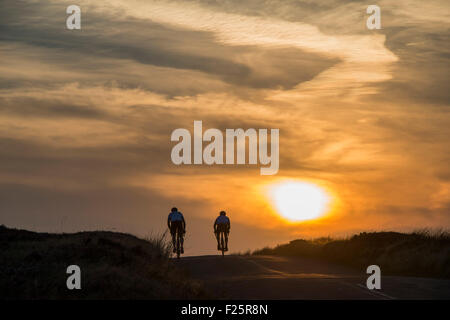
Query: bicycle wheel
[178, 245]
[222, 243]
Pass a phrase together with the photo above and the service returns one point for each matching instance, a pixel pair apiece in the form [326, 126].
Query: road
[268, 277]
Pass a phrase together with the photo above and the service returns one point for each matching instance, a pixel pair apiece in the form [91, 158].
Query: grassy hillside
[113, 266]
[421, 253]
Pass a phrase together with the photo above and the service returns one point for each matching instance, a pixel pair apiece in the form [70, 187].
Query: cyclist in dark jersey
[222, 224]
[176, 223]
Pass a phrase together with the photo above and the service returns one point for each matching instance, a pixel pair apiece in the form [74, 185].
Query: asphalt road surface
[268, 277]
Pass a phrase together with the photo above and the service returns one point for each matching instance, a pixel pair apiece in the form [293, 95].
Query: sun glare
[299, 201]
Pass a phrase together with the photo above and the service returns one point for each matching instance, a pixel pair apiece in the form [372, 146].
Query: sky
[86, 115]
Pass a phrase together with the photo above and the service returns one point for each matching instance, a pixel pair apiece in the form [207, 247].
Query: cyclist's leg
[218, 239]
[174, 239]
[178, 251]
[226, 240]
[181, 235]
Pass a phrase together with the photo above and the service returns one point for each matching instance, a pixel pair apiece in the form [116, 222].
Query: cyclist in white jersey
[222, 224]
[176, 223]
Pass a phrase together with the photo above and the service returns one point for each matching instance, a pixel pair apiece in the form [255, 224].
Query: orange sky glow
[86, 117]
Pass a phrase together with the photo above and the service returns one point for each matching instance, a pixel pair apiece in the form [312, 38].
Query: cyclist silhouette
[176, 224]
[222, 225]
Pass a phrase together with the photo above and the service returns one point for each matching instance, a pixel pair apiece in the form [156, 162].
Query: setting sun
[299, 201]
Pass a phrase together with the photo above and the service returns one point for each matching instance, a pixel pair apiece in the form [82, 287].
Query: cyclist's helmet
[222, 213]
[174, 209]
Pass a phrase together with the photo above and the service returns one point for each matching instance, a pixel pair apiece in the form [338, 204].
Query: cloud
[147, 45]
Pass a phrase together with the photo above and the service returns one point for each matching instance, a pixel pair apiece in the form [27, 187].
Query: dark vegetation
[422, 253]
[113, 266]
